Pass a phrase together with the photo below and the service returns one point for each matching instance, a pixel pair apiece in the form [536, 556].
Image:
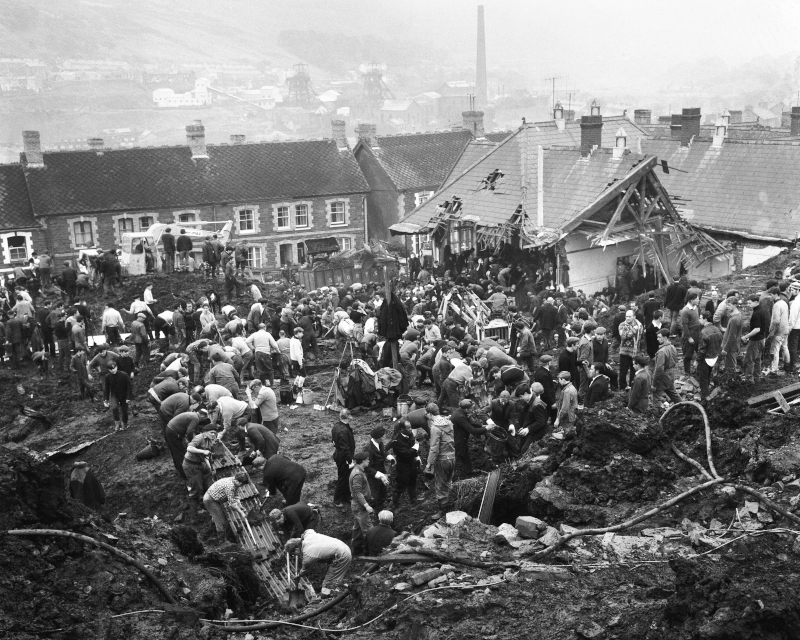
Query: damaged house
[744, 193]
[586, 208]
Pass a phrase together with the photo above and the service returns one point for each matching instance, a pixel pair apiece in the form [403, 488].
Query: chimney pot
[558, 116]
[795, 124]
[196, 139]
[675, 125]
[339, 130]
[642, 116]
[595, 108]
[720, 131]
[96, 144]
[238, 138]
[473, 122]
[591, 134]
[690, 126]
[34, 158]
[368, 133]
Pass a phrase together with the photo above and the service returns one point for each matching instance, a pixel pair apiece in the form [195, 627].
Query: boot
[117, 425]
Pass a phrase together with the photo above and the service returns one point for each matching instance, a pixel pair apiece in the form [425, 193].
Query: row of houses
[600, 191]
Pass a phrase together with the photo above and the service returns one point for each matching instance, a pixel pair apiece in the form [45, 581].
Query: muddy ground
[617, 466]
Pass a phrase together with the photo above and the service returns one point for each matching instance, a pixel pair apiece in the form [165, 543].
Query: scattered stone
[752, 507]
[590, 631]
[550, 537]
[764, 517]
[667, 532]
[794, 486]
[436, 531]
[796, 545]
[403, 586]
[729, 490]
[425, 576]
[456, 517]
[186, 591]
[716, 525]
[508, 532]
[162, 562]
[530, 527]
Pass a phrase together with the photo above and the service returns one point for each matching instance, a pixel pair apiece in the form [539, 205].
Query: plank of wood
[769, 396]
[782, 402]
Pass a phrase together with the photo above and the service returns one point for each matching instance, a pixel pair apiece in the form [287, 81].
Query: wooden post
[387, 284]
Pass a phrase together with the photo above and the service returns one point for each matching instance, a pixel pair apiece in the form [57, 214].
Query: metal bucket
[404, 403]
[308, 396]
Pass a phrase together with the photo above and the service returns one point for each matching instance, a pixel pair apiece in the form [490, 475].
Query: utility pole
[553, 79]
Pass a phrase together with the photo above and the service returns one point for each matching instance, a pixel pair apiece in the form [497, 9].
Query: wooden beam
[635, 214]
[615, 218]
[611, 192]
[769, 396]
[649, 211]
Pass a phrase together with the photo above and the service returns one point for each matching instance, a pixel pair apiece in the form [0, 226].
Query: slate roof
[160, 177]
[571, 183]
[750, 189]
[734, 132]
[15, 205]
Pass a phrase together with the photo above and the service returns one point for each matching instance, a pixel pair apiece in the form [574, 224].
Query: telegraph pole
[553, 79]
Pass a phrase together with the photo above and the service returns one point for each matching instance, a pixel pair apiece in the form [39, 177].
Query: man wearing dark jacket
[650, 306]
[168, 241]
[463, 427]
[708, 349]
[210, 257]
[344, 445]
[70, 279]
[285, 476]
[294, 519]
[639, 398]
[116, 389]
[673, 302]
[184, 246]
[548, 320]
[543, 376]
[568, 358]
[599, 390]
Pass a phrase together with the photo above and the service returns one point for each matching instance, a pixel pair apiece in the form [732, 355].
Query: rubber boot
[117, 425]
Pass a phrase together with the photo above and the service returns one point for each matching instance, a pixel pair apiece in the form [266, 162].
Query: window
[462, 239]
[301, 253]
[17, 248]
[337, 213]
[285, 254]
[283, 217]
[420, 197]
[247, 221]
[125, 225]
[255, 257]
[301, 216]
[145, 222]
[346, 244]
[190, 216]
[83, 233]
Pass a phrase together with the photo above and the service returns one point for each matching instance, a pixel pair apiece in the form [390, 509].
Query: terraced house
[281, 196]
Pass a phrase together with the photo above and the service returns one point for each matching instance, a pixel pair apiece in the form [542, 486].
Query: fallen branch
[691, 461]
[628, 523]
[277, 623]
[698, 406]
[106, 547]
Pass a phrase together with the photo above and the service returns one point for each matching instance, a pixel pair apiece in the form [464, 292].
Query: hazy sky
[586, 39]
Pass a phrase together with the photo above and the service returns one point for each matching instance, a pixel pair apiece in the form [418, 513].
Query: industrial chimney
[473, 122]
[591, 134]
[34, 158]
[690, 126]
[481, 84]
[196, 139]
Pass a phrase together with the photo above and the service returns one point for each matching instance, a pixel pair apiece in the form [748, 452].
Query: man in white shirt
[296, 353]
[112, 324]
[263, 346]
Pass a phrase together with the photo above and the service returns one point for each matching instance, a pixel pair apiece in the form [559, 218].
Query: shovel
[297, 597]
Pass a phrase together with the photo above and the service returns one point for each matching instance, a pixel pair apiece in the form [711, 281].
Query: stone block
[530, 527]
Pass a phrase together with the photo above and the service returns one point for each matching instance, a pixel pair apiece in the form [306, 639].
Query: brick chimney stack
[34, 158]
[238, 138]
[736, 116]
[642, 116]
[795, 126]
[339, 131]
[591, 134]
[675, 124]
[368, 133]
[690, 126]
[95, 144]
[473, 122]
[196, 139]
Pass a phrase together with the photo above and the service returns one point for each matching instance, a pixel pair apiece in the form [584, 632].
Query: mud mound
[732, 599]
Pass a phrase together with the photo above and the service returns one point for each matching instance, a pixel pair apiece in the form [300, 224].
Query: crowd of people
[563, 353]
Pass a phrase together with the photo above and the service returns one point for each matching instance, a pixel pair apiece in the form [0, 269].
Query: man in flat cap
[359, 502]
